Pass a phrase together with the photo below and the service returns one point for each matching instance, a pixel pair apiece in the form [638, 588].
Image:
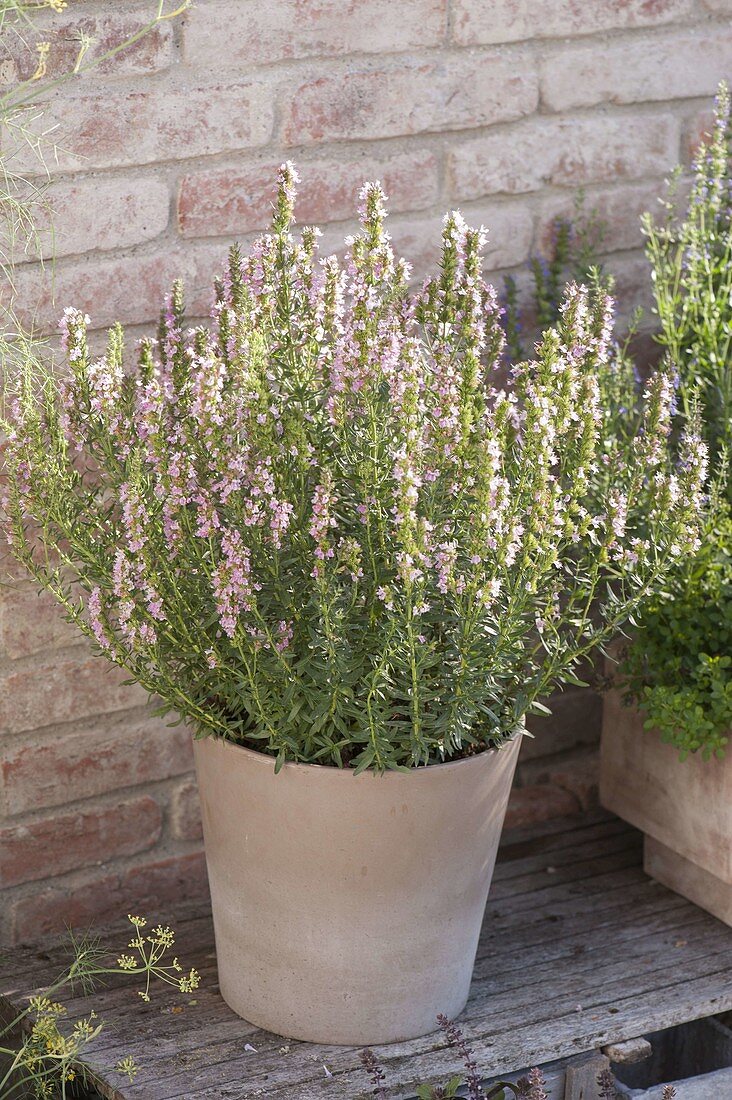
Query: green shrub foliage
[678, 666]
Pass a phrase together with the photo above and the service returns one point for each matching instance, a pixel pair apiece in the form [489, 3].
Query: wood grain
[579, 950]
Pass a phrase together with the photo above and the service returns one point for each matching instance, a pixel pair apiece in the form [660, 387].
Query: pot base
[382, 1034]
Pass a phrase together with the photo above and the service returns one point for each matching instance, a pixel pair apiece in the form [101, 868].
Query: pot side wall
[347, 908]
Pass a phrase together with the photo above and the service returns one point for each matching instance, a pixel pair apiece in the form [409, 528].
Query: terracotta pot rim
[298, 767]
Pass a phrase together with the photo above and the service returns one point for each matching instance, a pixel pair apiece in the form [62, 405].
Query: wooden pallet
[579, 949]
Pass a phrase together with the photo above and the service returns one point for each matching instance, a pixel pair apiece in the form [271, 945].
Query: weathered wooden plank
[559, 827]
[574, 868]
[579, 950]
[489, 1035]
[433, 1065]
[640, 942]
[571, 1034]
[164, 1033]
[629, 1052]
[581, 1081]
[513, 853]
[576, 926]
[645, 927]
[569, 863]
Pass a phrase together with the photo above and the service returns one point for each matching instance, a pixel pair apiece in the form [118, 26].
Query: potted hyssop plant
[676, 671]
[323, 535]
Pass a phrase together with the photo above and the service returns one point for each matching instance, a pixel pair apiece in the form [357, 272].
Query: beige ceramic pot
[347, 908]
[683, 807]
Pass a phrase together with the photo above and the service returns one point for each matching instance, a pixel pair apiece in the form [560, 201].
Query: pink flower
[232, 582]
[284, 635]
[322, 520]
[94, 608]
[135, 516]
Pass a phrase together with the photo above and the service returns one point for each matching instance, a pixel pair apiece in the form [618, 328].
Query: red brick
[675, 66]
[696, 130]
[55, 689]
[156, 890]
[151, 124]
[154, 52]
[575, 720]
[510, 229]
[478, 23]
[537, 803]
[186, 812]
[248, 32]
[581, 778]
[66, 842]
[12, 572]
[633, 286]
[576, 772]
[475, 89]
[81, 216]
[620, 211]
[126, 751]
[31, 623]
[564, 152]
[129, 289]
[226, 201]
[417, 239]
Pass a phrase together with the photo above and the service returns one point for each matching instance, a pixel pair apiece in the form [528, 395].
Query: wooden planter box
[683, 807]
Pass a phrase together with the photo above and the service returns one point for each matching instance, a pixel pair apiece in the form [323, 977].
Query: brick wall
[503, 107]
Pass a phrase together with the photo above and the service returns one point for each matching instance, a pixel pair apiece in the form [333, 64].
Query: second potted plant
[665, 761]
[324, 535]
